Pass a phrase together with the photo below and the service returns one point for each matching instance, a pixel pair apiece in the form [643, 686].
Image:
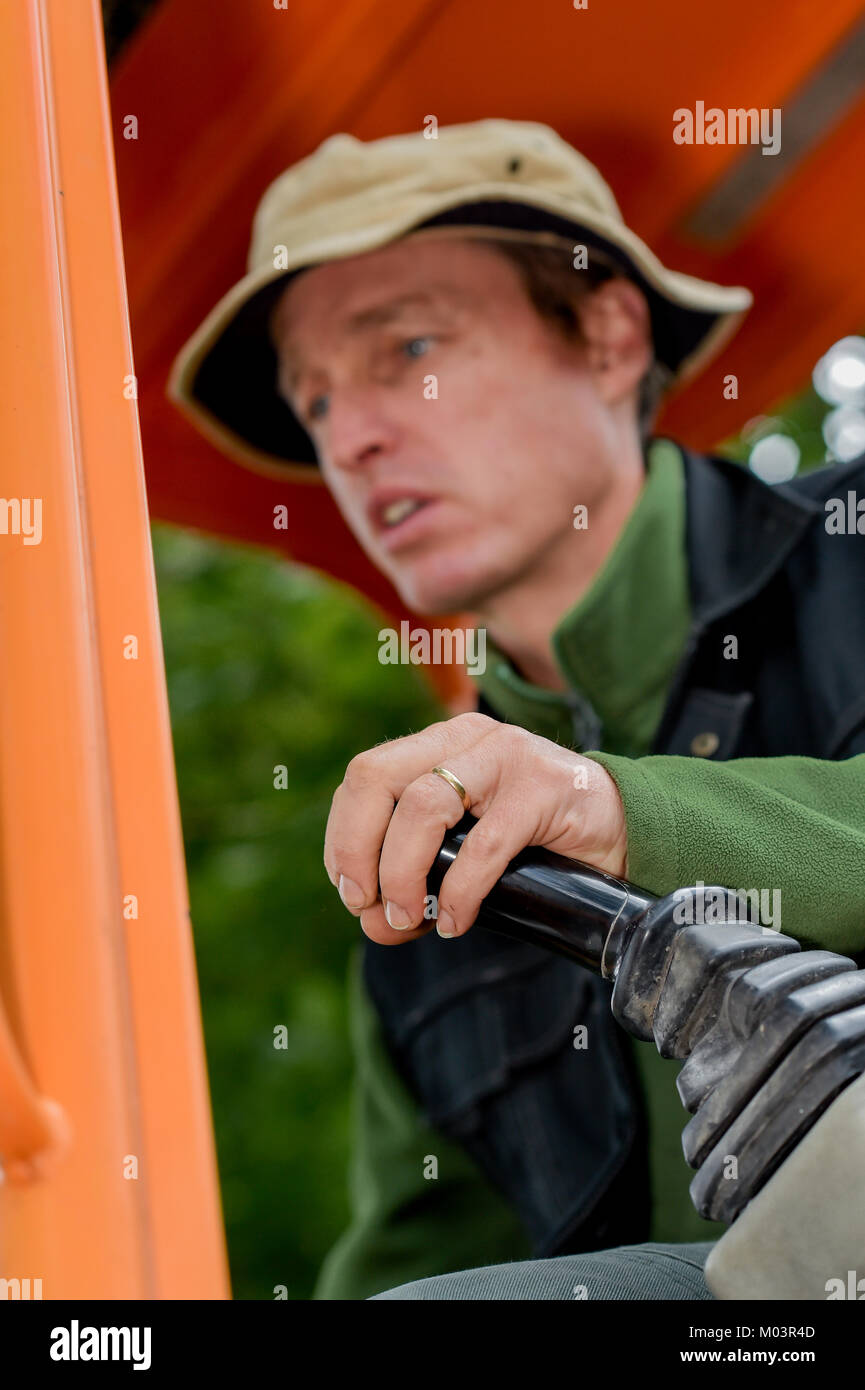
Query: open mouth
[396, 512]
[401, 520]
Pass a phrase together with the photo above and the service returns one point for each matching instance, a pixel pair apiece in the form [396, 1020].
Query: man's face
[455, 428]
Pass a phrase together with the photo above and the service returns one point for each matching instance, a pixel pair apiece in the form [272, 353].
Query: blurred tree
[271, 666]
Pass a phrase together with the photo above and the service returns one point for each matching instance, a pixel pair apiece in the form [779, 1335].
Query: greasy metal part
[750, 998]
[782, 1112]
[671, 974]
[772, 1034]
[749, 1064]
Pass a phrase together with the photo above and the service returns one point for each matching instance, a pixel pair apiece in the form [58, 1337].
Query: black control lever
[556, 903]
[771, 1033]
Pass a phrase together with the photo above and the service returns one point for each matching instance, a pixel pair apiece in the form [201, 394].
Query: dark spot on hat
[514, 165]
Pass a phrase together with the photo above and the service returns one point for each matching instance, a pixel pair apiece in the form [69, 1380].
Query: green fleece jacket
[793, 826]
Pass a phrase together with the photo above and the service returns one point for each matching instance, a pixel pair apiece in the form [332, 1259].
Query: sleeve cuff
[653, 851]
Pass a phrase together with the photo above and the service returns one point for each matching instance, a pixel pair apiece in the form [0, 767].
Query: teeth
[398, 511]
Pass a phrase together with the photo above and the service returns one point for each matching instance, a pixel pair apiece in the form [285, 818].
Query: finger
[507, 827]
[428, 807]
[374, 925]
[363, 804]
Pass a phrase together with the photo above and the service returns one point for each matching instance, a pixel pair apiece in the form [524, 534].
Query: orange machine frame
[110, 1190]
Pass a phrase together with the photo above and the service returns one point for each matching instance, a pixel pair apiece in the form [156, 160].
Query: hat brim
[224, 378]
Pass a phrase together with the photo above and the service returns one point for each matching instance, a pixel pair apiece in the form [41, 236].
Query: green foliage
[270, 665]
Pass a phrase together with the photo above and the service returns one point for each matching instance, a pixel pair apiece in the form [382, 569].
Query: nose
[359, 429]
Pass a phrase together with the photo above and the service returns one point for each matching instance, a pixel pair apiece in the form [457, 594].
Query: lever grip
[555, 903]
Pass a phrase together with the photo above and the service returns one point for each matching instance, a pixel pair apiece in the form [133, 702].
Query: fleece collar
[618, 647]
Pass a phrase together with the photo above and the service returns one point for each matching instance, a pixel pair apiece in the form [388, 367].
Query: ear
[617, 332]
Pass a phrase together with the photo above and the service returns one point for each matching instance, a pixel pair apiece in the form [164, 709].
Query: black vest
[482, 1029]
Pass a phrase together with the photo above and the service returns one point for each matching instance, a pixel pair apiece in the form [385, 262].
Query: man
[469, 342]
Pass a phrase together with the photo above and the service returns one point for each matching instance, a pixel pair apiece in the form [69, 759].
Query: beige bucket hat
[490, 178]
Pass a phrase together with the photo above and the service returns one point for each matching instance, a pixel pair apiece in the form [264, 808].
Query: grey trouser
[631, 1271]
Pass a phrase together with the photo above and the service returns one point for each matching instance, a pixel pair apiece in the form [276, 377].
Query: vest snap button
[705, 744]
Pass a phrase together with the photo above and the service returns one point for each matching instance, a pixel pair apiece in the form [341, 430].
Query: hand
[390, 814]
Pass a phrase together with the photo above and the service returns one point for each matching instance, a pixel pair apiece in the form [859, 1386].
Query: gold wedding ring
[455, 783]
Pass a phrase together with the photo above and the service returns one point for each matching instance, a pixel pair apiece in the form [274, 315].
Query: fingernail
[397, 917]
[445, 926]
[351, 893]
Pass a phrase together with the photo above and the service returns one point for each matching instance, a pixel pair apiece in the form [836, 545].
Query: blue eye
[416, 347]
[318, 407]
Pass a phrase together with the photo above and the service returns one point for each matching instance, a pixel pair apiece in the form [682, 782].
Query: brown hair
[554, 289]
